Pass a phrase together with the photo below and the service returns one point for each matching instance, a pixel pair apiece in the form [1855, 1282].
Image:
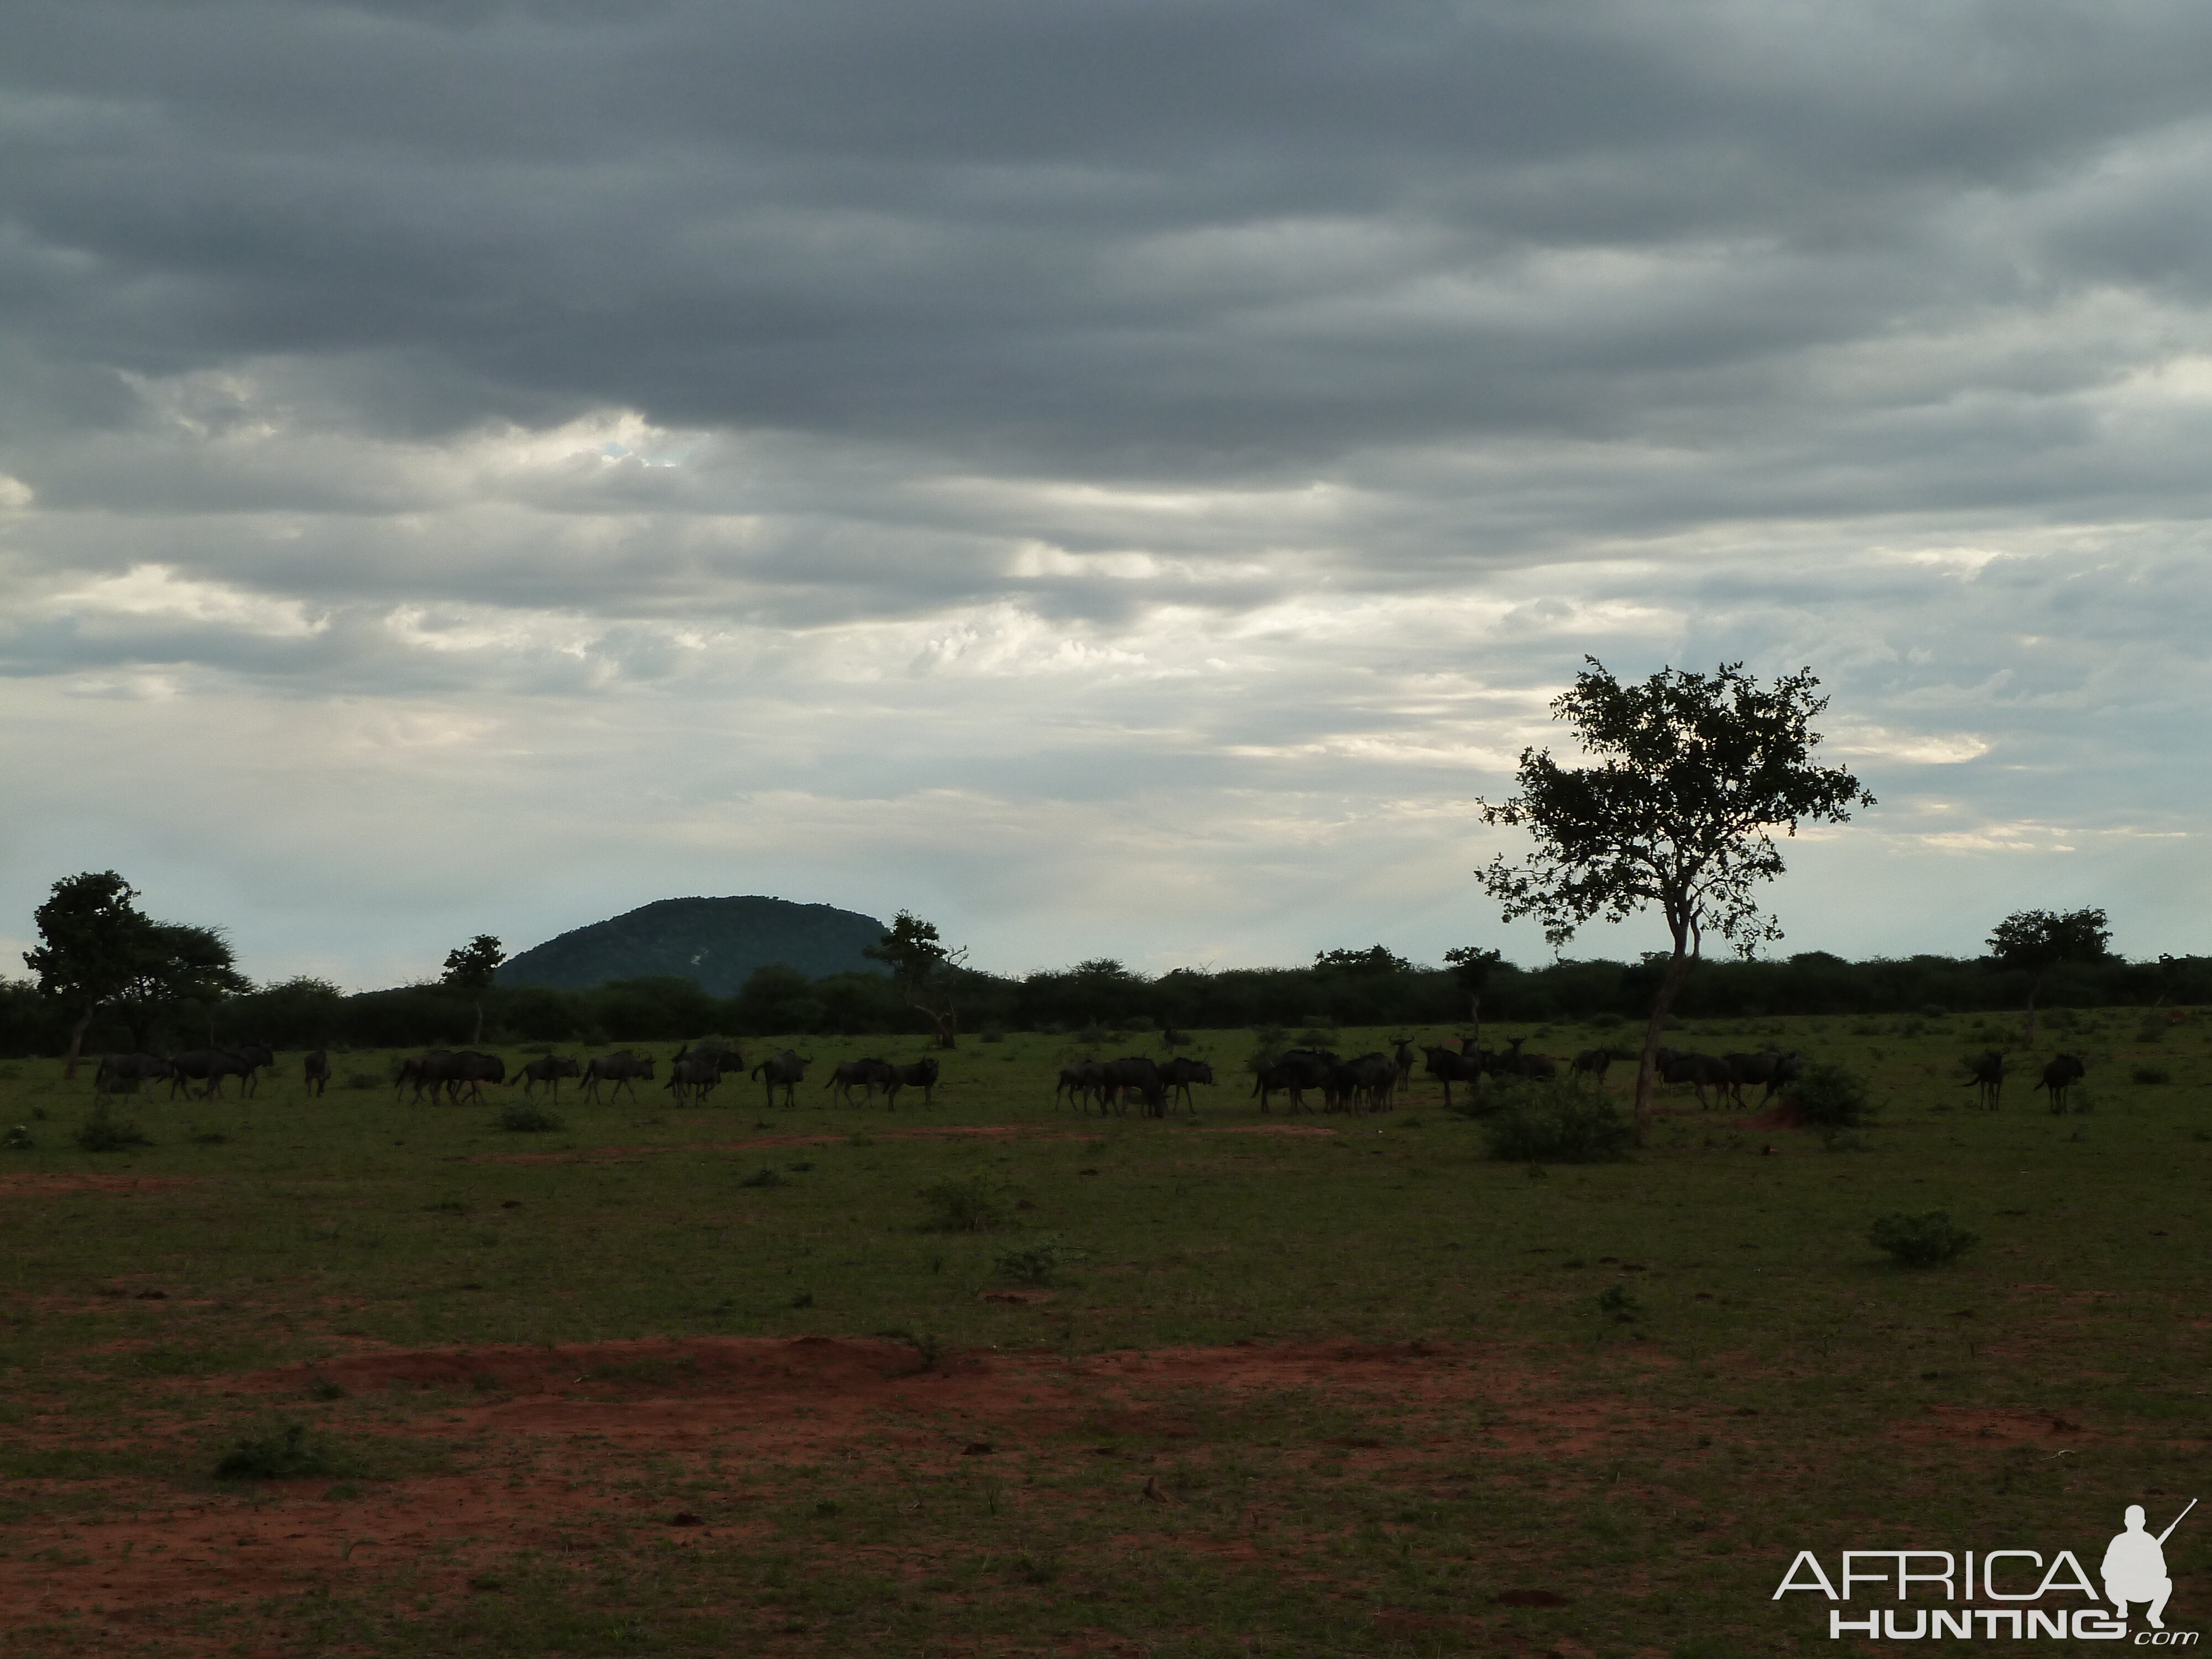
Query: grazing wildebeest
[1171, 1040]
[316, 1073]
[1699, 1071]
[1514, 1063]
[2060, 1075]
[1401, 1055]
[1364, 1083]
[1080, 1083]
[1595, 1063]
[621, 1069]
[1180, 1073]
[921, 1074]
[1448, 1067]
[132, 1072]
[1776, 1071]
[256, 1056]
[547, 1069]
[1136, 1072]
[786, 1071]
[210, 1065]
[866, 1075]
[1986, 1073]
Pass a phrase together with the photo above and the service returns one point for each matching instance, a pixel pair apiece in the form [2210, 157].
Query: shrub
[972, 1206]
[1920, 1241]
[282, 1457]
[1829, 1096]
[1268, 1045]
[2151, 1074]
[19, 1138]
[1620, 1302]
[1035, 1264]
[103, 1132]
[1556, 1123]
[766, 1177]
[1092, 1033]
[527, 1117]
[993, 1034]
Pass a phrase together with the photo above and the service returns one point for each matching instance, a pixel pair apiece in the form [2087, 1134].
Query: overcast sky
[1115, 478]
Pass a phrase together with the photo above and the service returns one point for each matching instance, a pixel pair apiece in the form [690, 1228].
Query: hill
[715, 943]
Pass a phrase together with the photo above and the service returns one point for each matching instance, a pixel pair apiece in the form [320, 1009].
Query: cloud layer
[1117, 479]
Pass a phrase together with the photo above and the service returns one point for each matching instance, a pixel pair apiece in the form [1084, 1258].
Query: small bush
[527, 1117]
[1138, 1022]
[1268, 1042]
[992, 1033]
[19, 1138]
[104, 1133]
[1828, 1097]
[1556, 1123]
[1920, 1241]
[1316, 1036]
[288, 1457]
[1093, 1034]
[1619, 1302]
[766, 1177]
[209, 1137]
[972, 1206]
[2151, 1074]
[1035, 1264]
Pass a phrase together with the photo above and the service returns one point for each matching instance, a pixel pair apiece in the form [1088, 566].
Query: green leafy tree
[98, 951]
[2036, 941]
[926, 971]
[473, 968]
[1376, 959]
[1693, 773]
[1471, 966]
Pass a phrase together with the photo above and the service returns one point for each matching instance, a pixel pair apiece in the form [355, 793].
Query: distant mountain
[716, 943]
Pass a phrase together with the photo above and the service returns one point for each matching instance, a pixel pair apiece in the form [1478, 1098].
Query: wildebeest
[621, 1069]
[1181, 1072]
[1081, 1083]
[316, 1072]
[920, 1074]
[695, 1072]
[1776, 1071]
[454, 1071]
[1448, 1067]
[547, 1069]
[132, 1072]
[866, 1075]
[1401, 1055]
[2060, 1075]
[1362, 1082]
[208, 1065]
[1595, 1063]
[1986, 1073]
[786, 1071]
[1295, 1072]
[256, 1056]
[1514, 1063]
[1136, 1072]
[1699, 1071]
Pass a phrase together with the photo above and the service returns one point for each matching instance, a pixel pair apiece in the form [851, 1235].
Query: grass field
[715, 1381]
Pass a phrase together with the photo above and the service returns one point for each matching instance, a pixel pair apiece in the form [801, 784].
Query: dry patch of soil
[70, 1185]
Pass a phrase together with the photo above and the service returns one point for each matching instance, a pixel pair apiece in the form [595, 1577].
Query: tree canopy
[1693, 774]
[1374, 959]
[473, 966]
[2036, 941]
[923, 965]
[98, 951]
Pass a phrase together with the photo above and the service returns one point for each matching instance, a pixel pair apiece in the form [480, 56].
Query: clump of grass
[1036, 1264]
[1831, 1096]
[529, 1118]
[103, 1132]
[286, 1456]
[364, 1080]
[763, 1178]
[992, 1033]
[1920, 1241]
[1556, 1123]
[209, 1137]
[2150, 1074]
[19, 1138]
[928, 1348]
[972, 1206]
[1620, 1303]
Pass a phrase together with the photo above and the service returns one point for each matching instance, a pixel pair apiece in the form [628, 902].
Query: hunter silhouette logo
[2030, 1591]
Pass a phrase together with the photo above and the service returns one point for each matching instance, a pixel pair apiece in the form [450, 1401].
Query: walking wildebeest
[786, 1071]
[1699, 1071]
[451, 1072]
[1401, 1055]
[210, 1065]
[1448, 1067]
[1295, 1071]
[133, 1072]
[1595, 1063]
[316, 1072]
[2060, 1075]
[256, 1056]
[1135, 1072]
[1081, 1083]
[1776, 1071]
[1986, 1073]
[866, 1074]
[623, 1069]
[920, 1074]
[547, 1069]
[1180, 1073]
[1364, 1083]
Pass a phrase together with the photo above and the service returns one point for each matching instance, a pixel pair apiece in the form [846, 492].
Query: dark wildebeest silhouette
[697, 1072]
[1514, 1063]
[1295, 1071]
[623, 1069]
[786, 1071]
[866, 1075]
[1595, 1063]
[1402, 1053]
[2060, 1075]
[1181, 1072]
[920, 1074]
[468, 1071]
[256, 1056]
[411, 1070]
[1986, 1072]
[1138, 1072]
[1776, 1071]
[1448, 1067]
[316, 1072]
[547, 1069]
[1700, 1071]
[208, 1067]
[1362, 1083]
[132, 1071]
[1080, 1083]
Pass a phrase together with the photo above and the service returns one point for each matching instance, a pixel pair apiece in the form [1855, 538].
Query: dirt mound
[1785, 1113]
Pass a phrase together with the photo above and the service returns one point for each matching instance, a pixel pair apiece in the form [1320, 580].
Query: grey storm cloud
[1005, 459]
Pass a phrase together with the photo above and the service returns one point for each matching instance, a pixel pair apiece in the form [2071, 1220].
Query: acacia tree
[924, 969]
[2036, 941]
[101, 950]
[471, 967]
[1692, 772]
[1470, 965]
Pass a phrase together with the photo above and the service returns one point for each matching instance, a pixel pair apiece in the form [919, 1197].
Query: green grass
[1769, 1372]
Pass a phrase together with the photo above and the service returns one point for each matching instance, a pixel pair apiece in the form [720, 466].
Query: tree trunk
[2033, 985]
[476, 1035]
[1669, 983]
[1474, 1013]
[76, 1045]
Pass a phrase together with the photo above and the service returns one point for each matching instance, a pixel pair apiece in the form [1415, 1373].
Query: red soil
[69, 1185]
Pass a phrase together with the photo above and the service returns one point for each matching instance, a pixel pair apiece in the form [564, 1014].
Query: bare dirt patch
[122, 1186]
